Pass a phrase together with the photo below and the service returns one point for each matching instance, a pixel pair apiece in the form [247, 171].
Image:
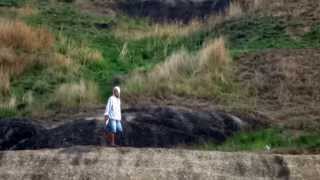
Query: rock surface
[172, 10]
[143, 127]
[152, 164]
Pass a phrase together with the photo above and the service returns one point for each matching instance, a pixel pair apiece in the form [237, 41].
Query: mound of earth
[145, 164]
[143, 127]
[286, 84]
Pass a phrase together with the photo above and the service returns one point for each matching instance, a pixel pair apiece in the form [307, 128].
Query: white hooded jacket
[113, 108]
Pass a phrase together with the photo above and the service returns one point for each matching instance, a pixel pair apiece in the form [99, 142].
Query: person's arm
[107, 111]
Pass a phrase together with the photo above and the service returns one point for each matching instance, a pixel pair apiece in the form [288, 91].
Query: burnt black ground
[143, 127]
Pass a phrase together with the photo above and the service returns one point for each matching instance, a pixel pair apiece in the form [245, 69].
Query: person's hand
[106, 118]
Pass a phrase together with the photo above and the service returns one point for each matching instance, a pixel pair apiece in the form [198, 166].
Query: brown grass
[17, 35]
[19, 45]
[80, 53]
[206, 74]
[76, 94]
[234, 10]
[165, 30]
[286, 84]
[8, 103]
[26, 10]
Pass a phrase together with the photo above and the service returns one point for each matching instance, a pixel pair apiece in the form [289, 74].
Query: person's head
[116, 91]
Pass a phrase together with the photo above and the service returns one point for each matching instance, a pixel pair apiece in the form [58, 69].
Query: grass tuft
[76, 94]
[205, 74]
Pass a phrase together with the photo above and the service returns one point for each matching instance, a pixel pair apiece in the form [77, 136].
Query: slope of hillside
[285, 83]
[259, 42]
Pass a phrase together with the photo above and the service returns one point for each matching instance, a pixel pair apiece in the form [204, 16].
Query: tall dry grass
[76, 94]
[80, 53]
[19, 36]
[19, 46]
[8, 106]
[165, 30]
[234, 10]
[206, 74]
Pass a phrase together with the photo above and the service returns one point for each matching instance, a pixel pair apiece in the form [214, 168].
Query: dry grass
[18, 35]
[26, 10]
[257, 4]
[19, 45]
[22, 47]
[206, 74]
[234, 10]
[165, 30]
[80, 94]
[80, 53]
[286, 84]
[8, 103]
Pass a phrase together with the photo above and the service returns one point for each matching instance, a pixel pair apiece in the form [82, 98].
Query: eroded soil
[285, 83]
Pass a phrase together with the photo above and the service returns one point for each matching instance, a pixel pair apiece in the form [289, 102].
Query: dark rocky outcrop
[173, 10]
[143, 127]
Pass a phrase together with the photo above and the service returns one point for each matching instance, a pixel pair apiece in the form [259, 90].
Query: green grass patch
[15, 3]
[273, 138]
[7, 112]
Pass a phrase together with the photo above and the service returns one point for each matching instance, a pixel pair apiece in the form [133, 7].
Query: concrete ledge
[147, 164]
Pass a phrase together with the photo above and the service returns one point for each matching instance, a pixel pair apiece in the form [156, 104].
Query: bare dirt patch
[286, 84]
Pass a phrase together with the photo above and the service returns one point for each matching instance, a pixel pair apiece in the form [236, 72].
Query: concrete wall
[149, 164]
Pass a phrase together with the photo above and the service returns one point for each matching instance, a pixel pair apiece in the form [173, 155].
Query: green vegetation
[8, 112]
[120, 56]
[88, 54]
[12, 2]
[268, 139]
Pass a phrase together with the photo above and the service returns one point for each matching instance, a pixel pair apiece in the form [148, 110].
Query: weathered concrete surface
[148, 164]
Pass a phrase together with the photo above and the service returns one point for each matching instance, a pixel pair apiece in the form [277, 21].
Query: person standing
[112, 116]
